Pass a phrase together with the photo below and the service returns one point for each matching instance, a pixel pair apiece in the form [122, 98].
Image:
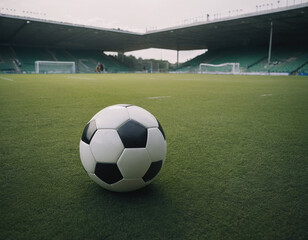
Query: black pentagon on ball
[161, 129]
[88, 132]
[133, 134]
[152, 171]
[108, 172]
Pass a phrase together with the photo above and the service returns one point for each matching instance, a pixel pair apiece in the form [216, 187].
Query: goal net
[224, 68]
[54, 67]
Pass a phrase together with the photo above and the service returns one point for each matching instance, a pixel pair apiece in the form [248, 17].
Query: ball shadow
[150, 208]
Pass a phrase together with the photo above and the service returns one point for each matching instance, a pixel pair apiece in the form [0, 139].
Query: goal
[224, 68]
[54, 67]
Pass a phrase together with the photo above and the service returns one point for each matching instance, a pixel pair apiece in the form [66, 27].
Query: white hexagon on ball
[106, 146]
[156, 145]
[111, 117]
[142, 116]
[134, 163]
[86, 157]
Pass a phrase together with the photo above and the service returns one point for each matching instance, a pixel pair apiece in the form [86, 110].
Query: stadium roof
[289, 26]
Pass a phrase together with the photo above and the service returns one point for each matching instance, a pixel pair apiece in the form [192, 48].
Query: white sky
[138, 15]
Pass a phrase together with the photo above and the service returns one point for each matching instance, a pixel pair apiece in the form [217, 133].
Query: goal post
[224, 68]
[54, 67]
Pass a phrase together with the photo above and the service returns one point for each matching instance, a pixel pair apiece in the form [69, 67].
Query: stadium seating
[7, 59]
[27, 57]
[304, 69]
[284, 59]
[60, 55]
[22, 59]
[246, 58]
[87, 60]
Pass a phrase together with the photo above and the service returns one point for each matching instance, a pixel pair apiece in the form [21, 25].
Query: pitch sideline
[8, 79]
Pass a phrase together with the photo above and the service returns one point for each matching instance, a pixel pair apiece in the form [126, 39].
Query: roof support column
[177, 58]
[121, 56]
[270, 44]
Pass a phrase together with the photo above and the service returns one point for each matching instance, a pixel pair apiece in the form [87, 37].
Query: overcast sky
[138, 15]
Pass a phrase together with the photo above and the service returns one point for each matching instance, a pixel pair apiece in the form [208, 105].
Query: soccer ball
[123, 148]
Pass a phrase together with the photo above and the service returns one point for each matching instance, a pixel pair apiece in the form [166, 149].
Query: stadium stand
[21, 59]
[27, 57]
[289, 59]
[246, 58]
[87, 60]
[304, 69]
[60, 55]
[285, 59]
[7, 60]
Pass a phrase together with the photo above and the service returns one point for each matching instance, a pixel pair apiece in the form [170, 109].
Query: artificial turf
[236, 164]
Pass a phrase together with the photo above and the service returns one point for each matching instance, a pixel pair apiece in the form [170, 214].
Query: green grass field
[236, 164]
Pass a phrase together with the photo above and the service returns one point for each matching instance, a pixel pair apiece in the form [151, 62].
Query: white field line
[82, 78]
[158, 97]
[266, 95]
[8, 79]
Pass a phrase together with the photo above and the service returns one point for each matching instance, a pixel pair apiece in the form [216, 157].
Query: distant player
[99, 67]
